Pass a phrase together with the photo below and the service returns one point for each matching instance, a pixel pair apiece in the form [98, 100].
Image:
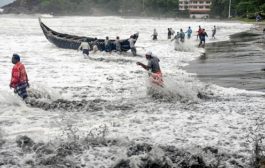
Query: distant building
[196, 8]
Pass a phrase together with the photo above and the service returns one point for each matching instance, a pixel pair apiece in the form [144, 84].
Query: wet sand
[238, 63]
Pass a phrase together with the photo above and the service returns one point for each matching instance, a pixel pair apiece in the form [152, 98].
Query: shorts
[21, 90]
[86, 51]
[157, 79]
[108, 48]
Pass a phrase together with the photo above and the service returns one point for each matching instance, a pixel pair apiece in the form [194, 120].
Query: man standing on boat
[84, 46]
[19, 80]
[153, 68]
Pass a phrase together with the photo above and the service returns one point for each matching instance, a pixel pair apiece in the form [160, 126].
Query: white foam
[221, 121]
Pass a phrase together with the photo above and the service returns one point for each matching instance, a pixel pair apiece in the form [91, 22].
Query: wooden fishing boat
[67, 41]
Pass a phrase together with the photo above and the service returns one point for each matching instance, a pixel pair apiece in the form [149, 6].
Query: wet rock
[43, 149]
[68, 148]
[234, 162]
[61, 104]
[262, 163]
[24, 142]
[49, 160]
[122, 164]
[94, 107]
[174, 154]
[151, 162]
[99, 101]
[118, 107]
[184, 159]
[7, 159]
[145, 156]
[139, 149]
[197, 162]
[201, 95]
[64, 154]
[8, 162]
[30, 162]
[109, 78]
[210, 149]
[96, 141]
[2, 142]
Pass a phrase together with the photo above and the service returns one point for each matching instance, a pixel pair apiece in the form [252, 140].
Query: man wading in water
[154, 35]
[84, 46]
[202, 38]
[153, 67]
[19, 80]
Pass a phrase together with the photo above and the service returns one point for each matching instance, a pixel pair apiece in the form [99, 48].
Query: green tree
[241, 8]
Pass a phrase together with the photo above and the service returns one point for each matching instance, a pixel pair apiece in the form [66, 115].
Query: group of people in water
[180, 36]
[87, 46]
[19, 80]
[109, 45]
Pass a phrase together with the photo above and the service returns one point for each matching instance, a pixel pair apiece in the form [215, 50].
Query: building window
[207, 7]
[195, 2]
[201, 7]
[201, 2]
[208, 2]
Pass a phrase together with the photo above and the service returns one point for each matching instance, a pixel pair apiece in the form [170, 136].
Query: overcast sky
[4, 2]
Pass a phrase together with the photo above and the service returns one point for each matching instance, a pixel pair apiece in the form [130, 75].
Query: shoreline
[227, 69]
[109, 97]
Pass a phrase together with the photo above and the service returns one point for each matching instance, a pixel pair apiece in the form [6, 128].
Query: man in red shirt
[199, 33]
[19, 79]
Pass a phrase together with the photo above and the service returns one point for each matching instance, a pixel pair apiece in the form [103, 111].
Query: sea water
[105, 97]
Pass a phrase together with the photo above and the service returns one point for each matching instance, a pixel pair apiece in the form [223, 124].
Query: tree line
[239, 8]
[163, 8]
[115, 7]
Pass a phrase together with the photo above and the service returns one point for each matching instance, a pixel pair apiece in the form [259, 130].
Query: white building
[196, 8]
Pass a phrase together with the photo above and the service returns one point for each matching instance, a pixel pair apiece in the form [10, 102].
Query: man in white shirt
[85, 47]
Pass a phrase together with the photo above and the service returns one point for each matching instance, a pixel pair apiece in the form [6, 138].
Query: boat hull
[67, 41]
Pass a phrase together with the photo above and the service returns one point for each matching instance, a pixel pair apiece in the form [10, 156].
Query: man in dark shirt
[153, 68]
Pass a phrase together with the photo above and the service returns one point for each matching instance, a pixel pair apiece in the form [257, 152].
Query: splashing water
[187, 46]
[109, 89]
